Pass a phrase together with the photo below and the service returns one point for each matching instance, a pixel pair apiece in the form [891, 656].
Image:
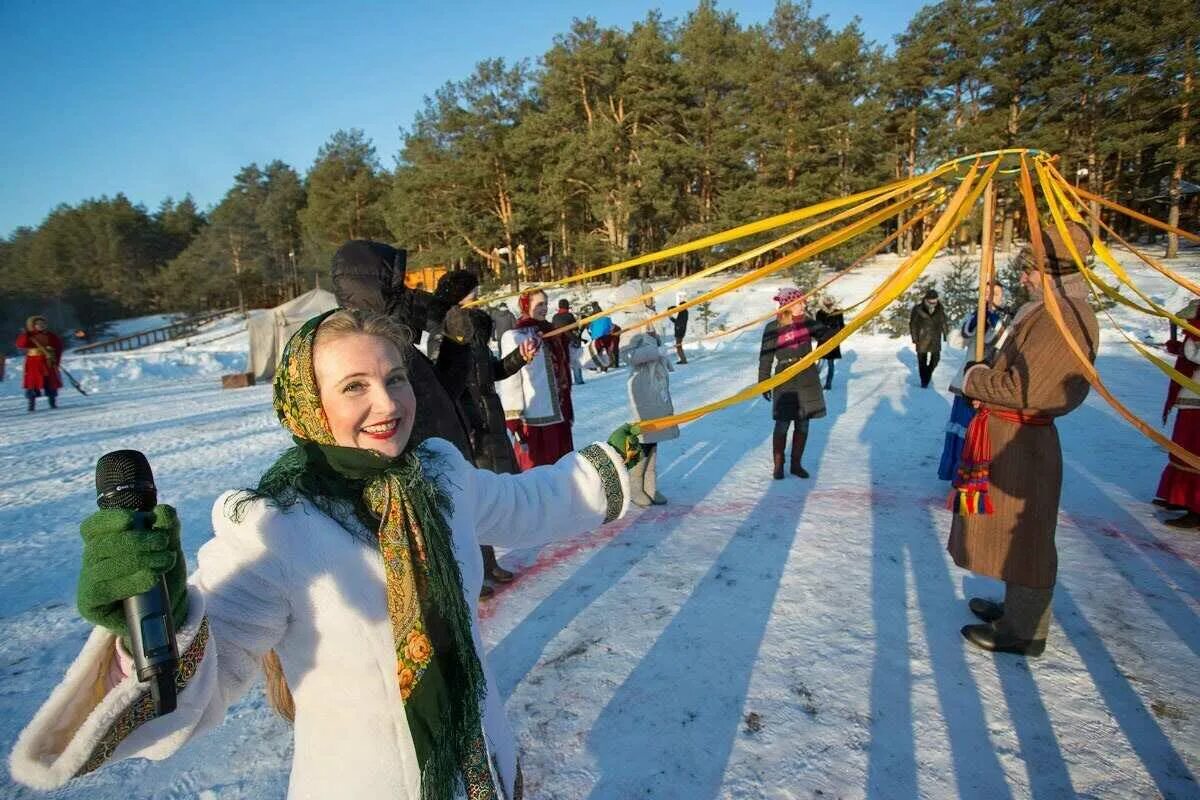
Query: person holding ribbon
[1009, 478]
[995, 330]
[649, 386]
[350, 575]
[1179, 487]
[43, 352]
[786, 340]
[537, 399]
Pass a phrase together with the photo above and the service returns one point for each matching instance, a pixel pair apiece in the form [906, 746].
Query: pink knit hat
[788, 295]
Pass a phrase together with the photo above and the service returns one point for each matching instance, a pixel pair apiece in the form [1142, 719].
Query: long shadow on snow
[516, 654]
[669, 729]
[1166, 767]
[1123, 538]
[900, 538]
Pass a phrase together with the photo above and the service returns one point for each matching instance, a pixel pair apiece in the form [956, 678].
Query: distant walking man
[680, 320]
[928, 328]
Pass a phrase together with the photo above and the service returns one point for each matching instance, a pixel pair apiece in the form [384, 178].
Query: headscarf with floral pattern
[438, 670]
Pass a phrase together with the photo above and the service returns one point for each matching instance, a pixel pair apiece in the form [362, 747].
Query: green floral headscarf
[439, 673]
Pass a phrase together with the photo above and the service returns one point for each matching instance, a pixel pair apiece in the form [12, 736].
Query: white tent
[270, 329]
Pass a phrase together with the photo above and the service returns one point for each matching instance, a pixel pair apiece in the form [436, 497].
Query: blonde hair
[343, 322]
[347, 321]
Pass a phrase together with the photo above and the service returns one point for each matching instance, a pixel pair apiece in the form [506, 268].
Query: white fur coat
[297, 582]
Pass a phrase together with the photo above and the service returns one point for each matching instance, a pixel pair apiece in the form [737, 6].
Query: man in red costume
[1179, 488]
[537, 400]
[43, 350]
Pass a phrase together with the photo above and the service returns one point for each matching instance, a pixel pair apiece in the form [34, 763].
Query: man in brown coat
[1034, 379]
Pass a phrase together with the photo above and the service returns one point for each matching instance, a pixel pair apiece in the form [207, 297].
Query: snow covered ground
[751, 639]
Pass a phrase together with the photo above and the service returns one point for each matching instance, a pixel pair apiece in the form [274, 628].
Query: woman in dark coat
[480, 404]
[833, 320]
[787, 339]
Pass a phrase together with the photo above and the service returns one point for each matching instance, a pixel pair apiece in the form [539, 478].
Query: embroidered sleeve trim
[614, 495]
[141, 710]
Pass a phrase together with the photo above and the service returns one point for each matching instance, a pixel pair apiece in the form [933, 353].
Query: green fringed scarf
[440, 676]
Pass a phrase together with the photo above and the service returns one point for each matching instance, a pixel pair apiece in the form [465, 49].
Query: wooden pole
[987, 265]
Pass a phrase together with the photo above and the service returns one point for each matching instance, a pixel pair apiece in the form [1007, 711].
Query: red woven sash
[969, 494]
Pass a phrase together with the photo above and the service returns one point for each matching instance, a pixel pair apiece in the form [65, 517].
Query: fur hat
[30, 320]
[455, 285]
[1058, 257]
[680, 298]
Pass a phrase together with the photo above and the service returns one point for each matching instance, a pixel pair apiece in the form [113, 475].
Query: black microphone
[124, 480]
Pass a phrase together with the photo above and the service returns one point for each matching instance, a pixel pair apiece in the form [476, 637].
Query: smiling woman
[363, 383]
[350, 574]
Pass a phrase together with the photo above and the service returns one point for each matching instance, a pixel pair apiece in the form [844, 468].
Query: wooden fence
[176, 330]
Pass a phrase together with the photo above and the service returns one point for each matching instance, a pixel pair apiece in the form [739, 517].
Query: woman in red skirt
[1179, 488]
[537, 400]
[43, 350]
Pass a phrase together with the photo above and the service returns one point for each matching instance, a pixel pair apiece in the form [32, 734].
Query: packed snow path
[752, 639]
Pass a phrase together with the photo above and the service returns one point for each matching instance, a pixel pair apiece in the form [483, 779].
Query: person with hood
[1179, 487]
[832, 320]
[649, 387]
[562, 319]
[1012, 460]
[348, 577]
[503, 320]
[43, 352]
[787, 339]
[370, 276]
[928, 327]
[680, 320]
[537, 400]
[485, 416]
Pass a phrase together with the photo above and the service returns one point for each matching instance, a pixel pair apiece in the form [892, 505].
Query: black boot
[799, 439]
[492, 568]
[987, 637]
[986, 610]
[53, 401]
[778, 444]
[32, 403]
[1189, 520]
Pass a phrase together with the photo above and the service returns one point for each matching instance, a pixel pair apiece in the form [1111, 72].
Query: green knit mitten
[124, 552]
[625, 441]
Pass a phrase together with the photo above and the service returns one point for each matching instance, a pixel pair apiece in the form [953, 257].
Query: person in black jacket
[370, 276]
[680, 320]
[503, 321]
[929, 328]
[562, 319]
[832, 320]
[485, 415]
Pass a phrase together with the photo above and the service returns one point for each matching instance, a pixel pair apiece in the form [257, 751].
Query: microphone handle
[152, 643]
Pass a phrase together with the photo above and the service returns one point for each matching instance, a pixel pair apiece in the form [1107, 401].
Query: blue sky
[158, 100]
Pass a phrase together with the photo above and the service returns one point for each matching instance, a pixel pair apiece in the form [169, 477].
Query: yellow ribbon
[734, 261]
[964, 197]
[1052, 307]
[742, 231]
